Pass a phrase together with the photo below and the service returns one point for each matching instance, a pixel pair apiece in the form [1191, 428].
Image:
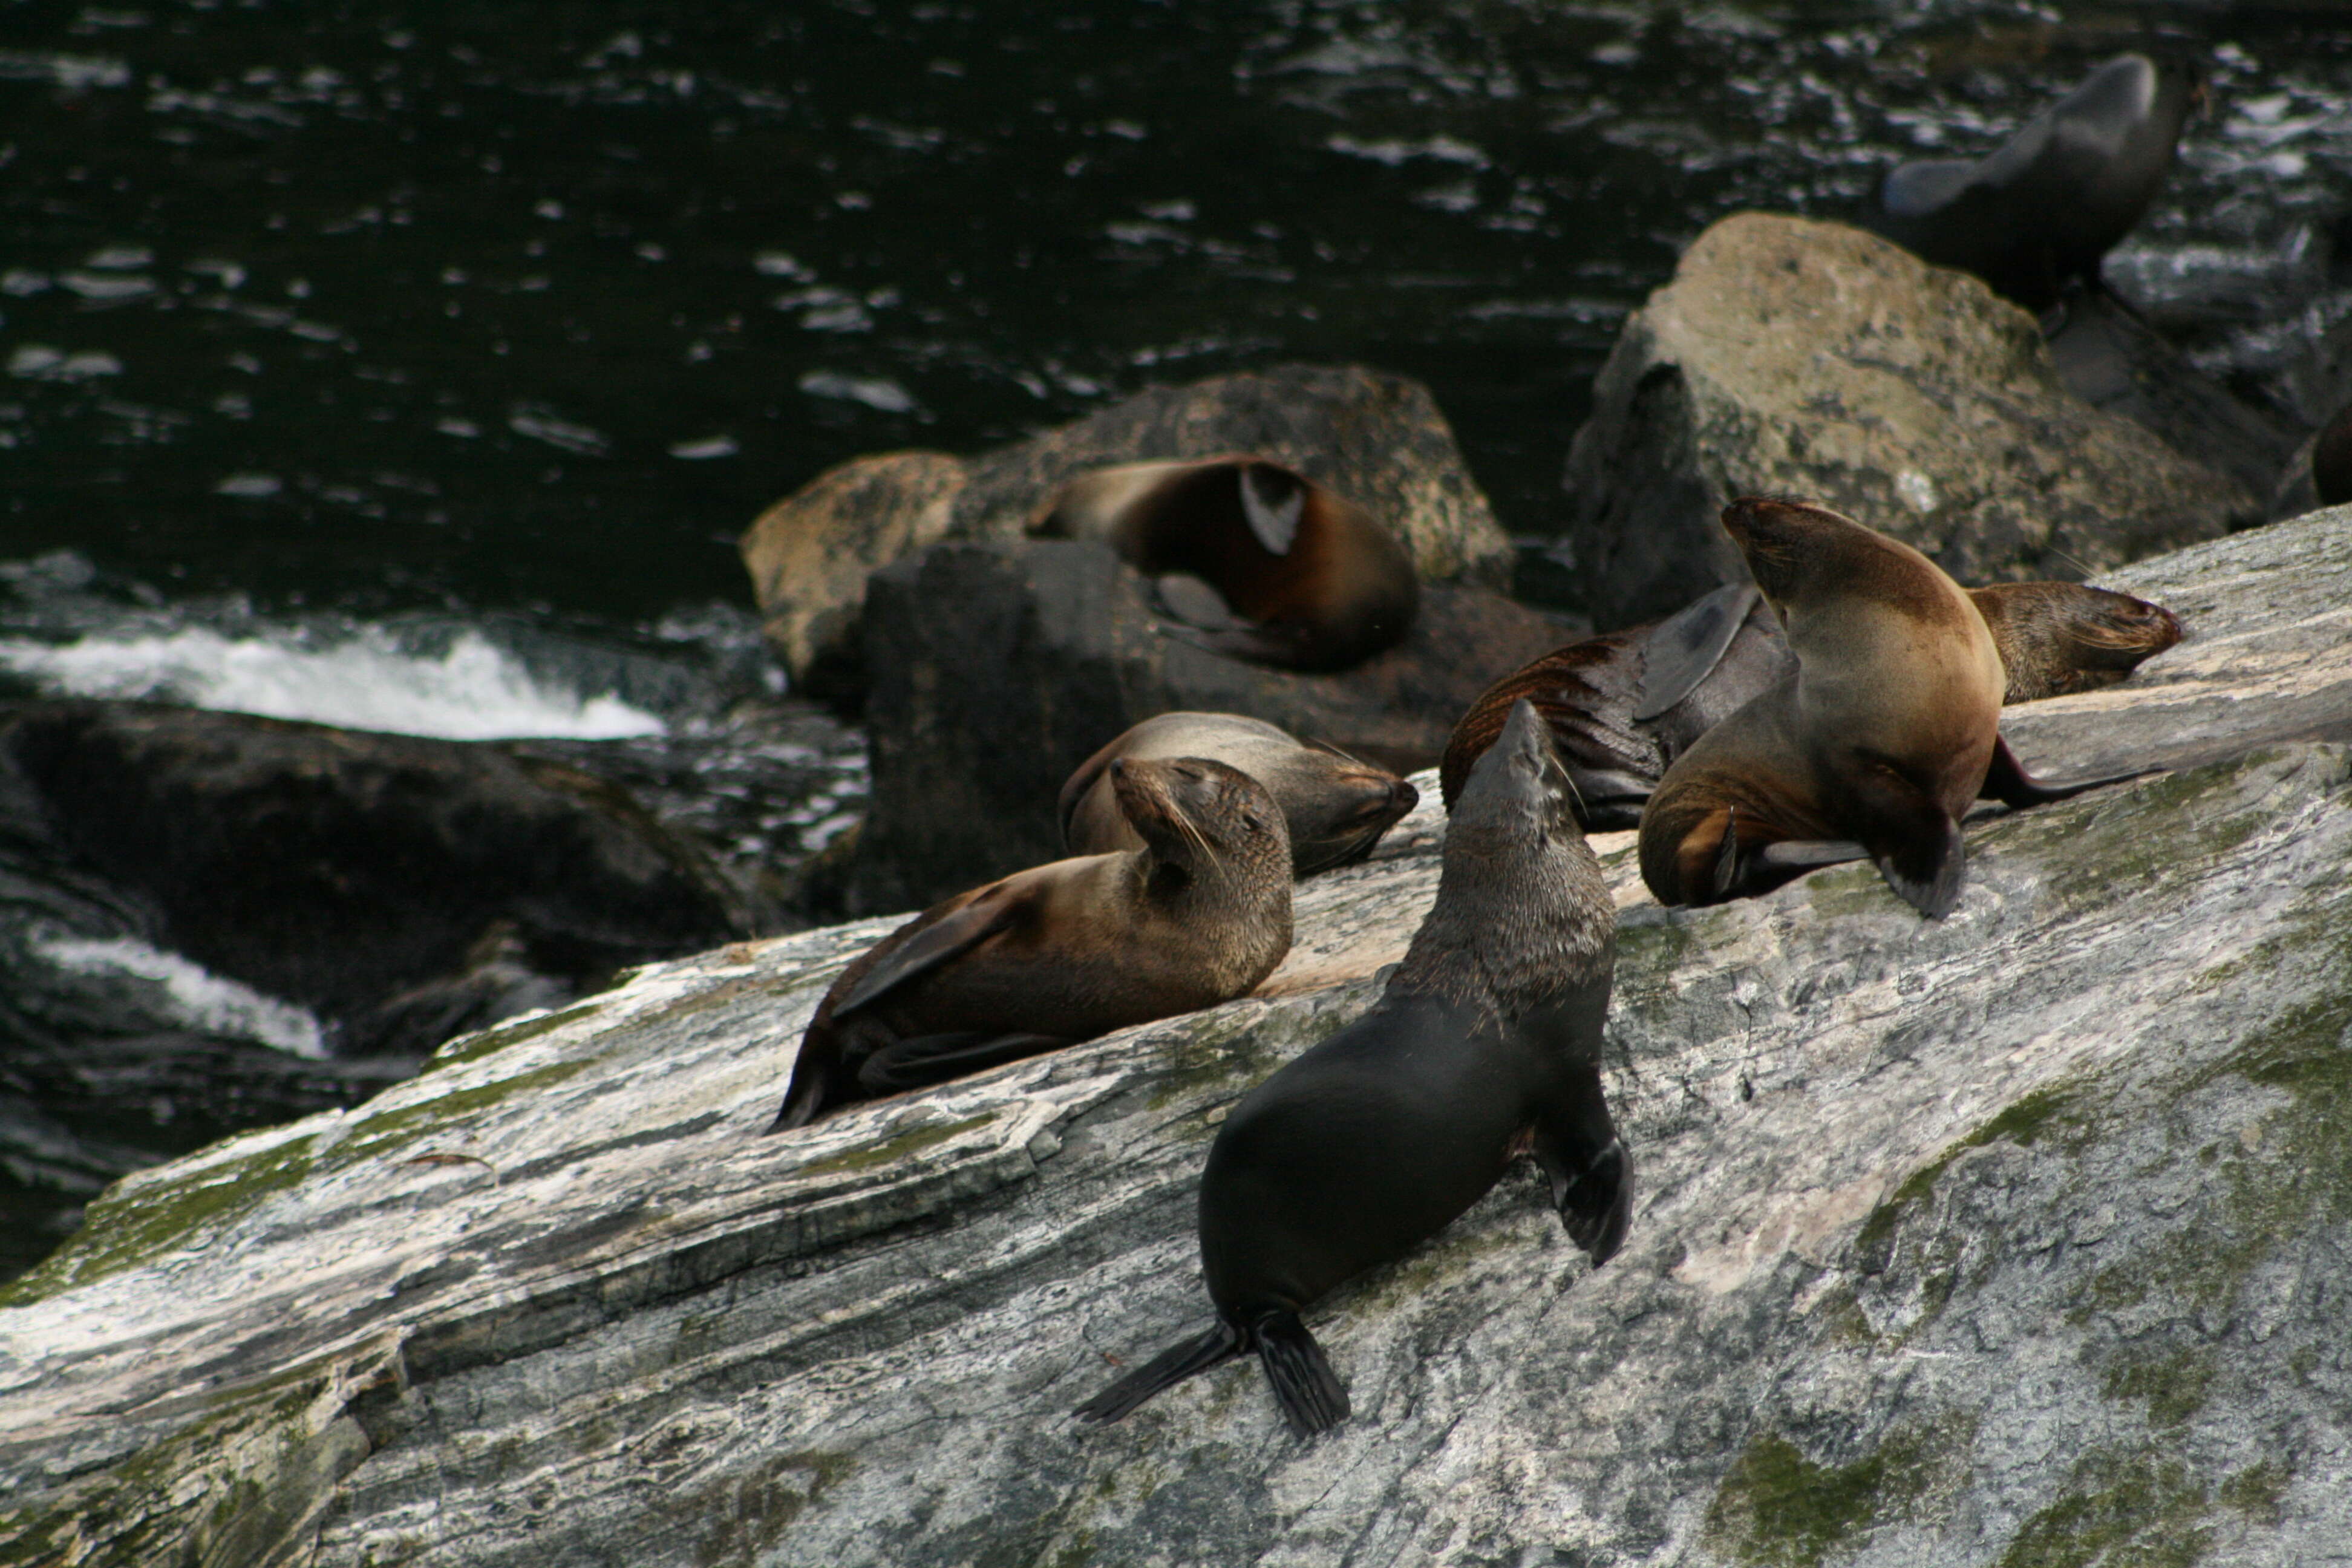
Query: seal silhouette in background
[1065, 952]
[1335, 807]
[1624, 707]
[1302, 577]
[1486, 1043]
[1872, 746]
[2046, 207]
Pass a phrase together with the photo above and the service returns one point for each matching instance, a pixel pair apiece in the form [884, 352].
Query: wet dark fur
[1065, 952]
[1485, 1043]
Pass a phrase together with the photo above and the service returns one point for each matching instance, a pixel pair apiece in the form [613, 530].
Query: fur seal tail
[1313, 1400]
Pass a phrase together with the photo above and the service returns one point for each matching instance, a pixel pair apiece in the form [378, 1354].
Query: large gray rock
[1376, 439]
[2018, 1238]
[1803, 358]
[998, 666]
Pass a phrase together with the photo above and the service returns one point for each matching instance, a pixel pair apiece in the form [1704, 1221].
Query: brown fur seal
[2061, 637]
[1317, 584]
[2048, 205]
[1871, 747]
[1335, 806]
[1623, 707]
[1065, 952]
[1486, 1045]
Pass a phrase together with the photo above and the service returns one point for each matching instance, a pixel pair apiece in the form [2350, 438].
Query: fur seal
[1065, 952]
[1623, 707]
[1335, 806]
[1303, 578]
[1486, 1045]
[2048, 205]
[1871, 747]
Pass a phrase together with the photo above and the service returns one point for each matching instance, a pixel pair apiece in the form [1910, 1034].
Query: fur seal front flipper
[1065, 952]
[1683, 649]
[1486, 1043]
[2007, 781]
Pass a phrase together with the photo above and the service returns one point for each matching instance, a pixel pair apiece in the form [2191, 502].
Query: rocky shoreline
[1955, 1239]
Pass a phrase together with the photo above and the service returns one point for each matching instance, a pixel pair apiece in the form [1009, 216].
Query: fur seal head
[2061, 637]
[1334, 807]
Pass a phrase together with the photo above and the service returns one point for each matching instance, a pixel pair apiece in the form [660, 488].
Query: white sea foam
[472, 690]
[191, 995]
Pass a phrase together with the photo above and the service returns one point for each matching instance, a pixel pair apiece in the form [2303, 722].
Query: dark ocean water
[416, 366]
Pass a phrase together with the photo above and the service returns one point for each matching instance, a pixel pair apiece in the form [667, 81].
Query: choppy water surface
[531, 306]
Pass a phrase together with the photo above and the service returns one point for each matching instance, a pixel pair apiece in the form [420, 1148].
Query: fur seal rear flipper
[1683, 649]
[1486, 1043]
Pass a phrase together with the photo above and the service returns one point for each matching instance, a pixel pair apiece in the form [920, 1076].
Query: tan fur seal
[1316, 583]
[1623, 706]
[1486, 1045]
[1335, 806]
[1063, 953]
[2060, 637]
[1871, 747]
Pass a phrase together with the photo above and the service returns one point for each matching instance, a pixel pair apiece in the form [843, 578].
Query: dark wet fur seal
[1623, 707]
[1065, 952]
[1303, 577]
[2048, 205]
[1335, 807]
[2056, 638]
[1486, 1043]
[1871, 748]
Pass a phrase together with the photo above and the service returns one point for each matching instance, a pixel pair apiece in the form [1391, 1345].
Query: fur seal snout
[1318, 584]
[1065, 952]
[1335, 807]
[1485, 1043]
[2047, 205]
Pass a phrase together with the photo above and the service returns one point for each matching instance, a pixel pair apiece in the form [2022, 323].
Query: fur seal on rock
[1335, 806]
[1316, 583]
[1486, 1045]
[1623, 706]
[1065, 952]
[1871, 747]
[2049, 203]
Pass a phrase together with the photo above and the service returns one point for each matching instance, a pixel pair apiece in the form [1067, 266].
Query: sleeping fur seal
[1335, 806]
[1623, 707]
[2048, 205]
[1304, 578]
[1871, 747]
[1486, 1043]
[1065, 952]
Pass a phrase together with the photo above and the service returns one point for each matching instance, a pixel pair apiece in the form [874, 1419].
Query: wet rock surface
[1989, 1240]
[216, 920]
[1803, 358]
[998, 668]
[1377, 439]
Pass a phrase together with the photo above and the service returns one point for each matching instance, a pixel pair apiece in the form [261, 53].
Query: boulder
[2018, 1236]
[1376, 439]
[810, 553]
[1794, 357]
[210, 922]
[2113, 360]
[998, 666]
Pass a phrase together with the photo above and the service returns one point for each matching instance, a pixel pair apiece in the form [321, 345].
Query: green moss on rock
[1778, 1510]
[2032, 1117]
[2141, 1509]
[906, 1144]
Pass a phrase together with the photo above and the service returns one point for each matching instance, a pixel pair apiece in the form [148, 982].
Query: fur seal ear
[1682, 650]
